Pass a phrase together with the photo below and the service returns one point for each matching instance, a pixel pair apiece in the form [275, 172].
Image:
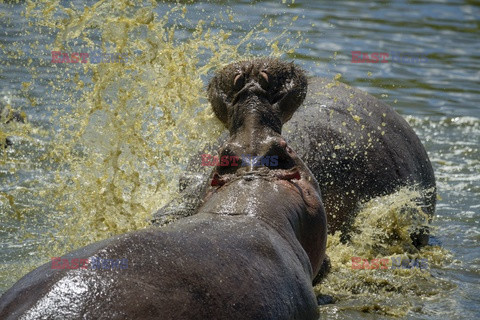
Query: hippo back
[358, 148]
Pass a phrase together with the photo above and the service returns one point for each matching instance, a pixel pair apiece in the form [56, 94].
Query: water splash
[119, 133]
[382, 230]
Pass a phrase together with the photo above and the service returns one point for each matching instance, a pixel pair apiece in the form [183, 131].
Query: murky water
[105, 142]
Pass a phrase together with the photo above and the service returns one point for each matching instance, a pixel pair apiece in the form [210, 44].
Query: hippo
[250, 251]
[7, 115]
[356, 146]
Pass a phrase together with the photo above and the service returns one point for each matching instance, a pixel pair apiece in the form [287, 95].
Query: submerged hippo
[251, 250]
[356, 146]
[7, 115]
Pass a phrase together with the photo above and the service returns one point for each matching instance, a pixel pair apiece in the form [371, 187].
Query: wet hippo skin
[251, 251]
[356, 146]
[208, 266]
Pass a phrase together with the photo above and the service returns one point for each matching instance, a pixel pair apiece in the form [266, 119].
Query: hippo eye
[238, 81]
[263, 79]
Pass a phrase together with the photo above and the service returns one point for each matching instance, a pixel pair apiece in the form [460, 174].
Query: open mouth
[261, 173]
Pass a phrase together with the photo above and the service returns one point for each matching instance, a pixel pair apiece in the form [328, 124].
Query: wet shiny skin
[224, 262]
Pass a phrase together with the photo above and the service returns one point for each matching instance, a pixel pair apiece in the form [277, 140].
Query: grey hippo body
[251, 251]
[208, 266]
[357, 148]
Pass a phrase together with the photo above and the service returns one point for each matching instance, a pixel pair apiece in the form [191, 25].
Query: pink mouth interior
[217, 180]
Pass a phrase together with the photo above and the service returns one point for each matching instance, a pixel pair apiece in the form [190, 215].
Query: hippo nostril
[281, 155]
[229, 160]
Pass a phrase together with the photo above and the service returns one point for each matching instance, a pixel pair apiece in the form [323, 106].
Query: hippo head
[254, 99]
[266, 91]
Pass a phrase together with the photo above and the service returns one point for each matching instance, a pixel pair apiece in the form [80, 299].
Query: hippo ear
[292, 93]
[222, 89]
[218, 100]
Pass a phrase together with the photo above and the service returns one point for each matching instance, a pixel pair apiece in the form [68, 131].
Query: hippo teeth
[290, 175]
[217, 181]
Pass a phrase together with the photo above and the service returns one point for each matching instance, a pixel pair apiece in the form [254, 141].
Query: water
[105, 143]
